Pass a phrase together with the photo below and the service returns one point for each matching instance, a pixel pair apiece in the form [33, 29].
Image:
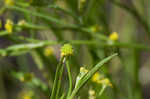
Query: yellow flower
[66, 50]
[48, 51]
[83, 70]
[21, 22]
[105, 82]
[9, 26]
[96, 77]
[9, 2]
[113, 36]
[91, 92]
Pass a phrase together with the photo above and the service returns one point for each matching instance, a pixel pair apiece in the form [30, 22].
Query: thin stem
[49, 18]
[59, 22]
[59, 82]
[63, 95]
[102, 90]
[38, 44]
[70, 78]
[137, 87]
[53, 94]
[33, 26]
[97, 35]
[67, 11]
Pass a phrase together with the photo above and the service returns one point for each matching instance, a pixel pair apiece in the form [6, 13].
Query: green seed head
[66, 50]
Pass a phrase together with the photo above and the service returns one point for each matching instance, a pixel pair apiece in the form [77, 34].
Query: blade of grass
[90, 74]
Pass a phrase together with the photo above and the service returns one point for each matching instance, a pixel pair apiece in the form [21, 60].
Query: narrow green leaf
[90, 74]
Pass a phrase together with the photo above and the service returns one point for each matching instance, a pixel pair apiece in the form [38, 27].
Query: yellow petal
[113, 36]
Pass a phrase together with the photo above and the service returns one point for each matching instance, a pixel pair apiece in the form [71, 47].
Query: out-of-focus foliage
[65, 49]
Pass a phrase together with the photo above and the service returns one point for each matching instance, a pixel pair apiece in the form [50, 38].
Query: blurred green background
[86, 24]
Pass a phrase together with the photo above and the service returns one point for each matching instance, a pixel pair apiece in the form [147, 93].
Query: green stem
[67, 11]
[70, 78]
[56, 80]
[137, 85]
[63, 95]
[94, 42]
[49, 18]
[33, 26]
[59, 82]
[102, 90]
[39, 44]
[97, 35]
[59, 22]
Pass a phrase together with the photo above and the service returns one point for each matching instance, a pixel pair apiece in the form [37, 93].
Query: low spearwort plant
[74, 49]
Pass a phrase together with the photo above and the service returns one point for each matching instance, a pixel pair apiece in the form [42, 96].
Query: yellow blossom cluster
[9, 26]
[9, 2]
[105, 82]
[66, 50]
[21, 22]
[92, 94]
[113, 36]
[83, 70]
[98, 78]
